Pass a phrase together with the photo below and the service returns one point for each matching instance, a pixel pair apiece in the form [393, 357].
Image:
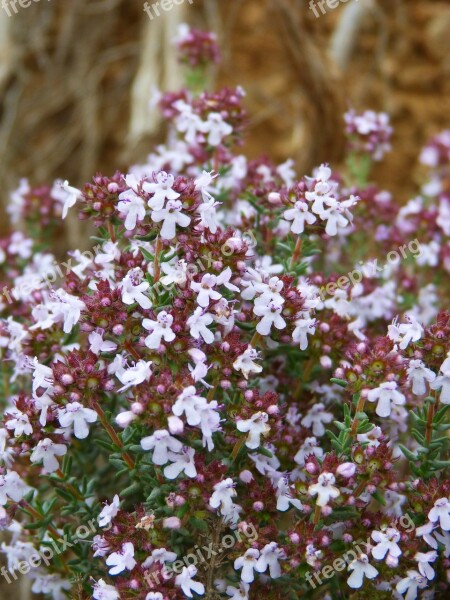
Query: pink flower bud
[326, 362]
[246, 476]
[123, 419]
[346, 470]
[391, 561]
[172, 523]
[258, 506]
[67, 379]
[274, 198]
[176, 425]
[137, 408]
[117, 329]
[248, 395]
[311, 468]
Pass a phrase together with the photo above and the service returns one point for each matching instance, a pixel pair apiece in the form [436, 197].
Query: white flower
[284, 495]
[303, 328]
[425, 532]
[444, 538]
[208, 214]
[424, 559]
[108, 512]
[68, 308]
[384, 395]
[47, 451]
[309, 446]
[175, 272]
[43, 403]
[386, 543]
[160, 329]
[133, 288]
[97, 344]
[442, 382]
[371, 437]
[209, 423]
[12, 486]
[324, 489]
[204, 181]
[104, 591]
[187, 122]
[186, 582]
[20, 422]
[256, 427]
[161, 190]
[217, 128]
[315, 418]
[190, 404]
[119, 561]
[71, 196]
[181, 463]
[161, 442]
[200, 369]
[246, 362]
[394, 503]
[334, 217]
[269, 557]
[247, 563]
[411, 585]
[240, 593]
[205, 291]
[171, 216]
[418, 374]
[6, 454]
[271, 314]
[223, 495]
[198, 323]
[77, 415]
[42, 376]
[406, 332]
[299, 215]
[441, 512]
[135, 375]
[133, 207]
[161, 556]
[361, 568]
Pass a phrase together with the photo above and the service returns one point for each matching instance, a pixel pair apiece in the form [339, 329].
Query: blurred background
[76, 77]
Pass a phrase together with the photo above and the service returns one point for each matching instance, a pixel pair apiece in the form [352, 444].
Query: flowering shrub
[242, 391]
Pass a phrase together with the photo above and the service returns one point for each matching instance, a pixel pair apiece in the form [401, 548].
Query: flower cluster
[189, 382]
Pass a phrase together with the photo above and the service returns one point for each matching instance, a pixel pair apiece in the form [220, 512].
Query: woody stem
[297, 252]
[157, 268]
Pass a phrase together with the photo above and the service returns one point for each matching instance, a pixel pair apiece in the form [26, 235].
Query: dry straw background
[75, 77]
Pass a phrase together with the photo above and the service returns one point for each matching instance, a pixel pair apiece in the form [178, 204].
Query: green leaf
[340, 382]
[409, 455]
